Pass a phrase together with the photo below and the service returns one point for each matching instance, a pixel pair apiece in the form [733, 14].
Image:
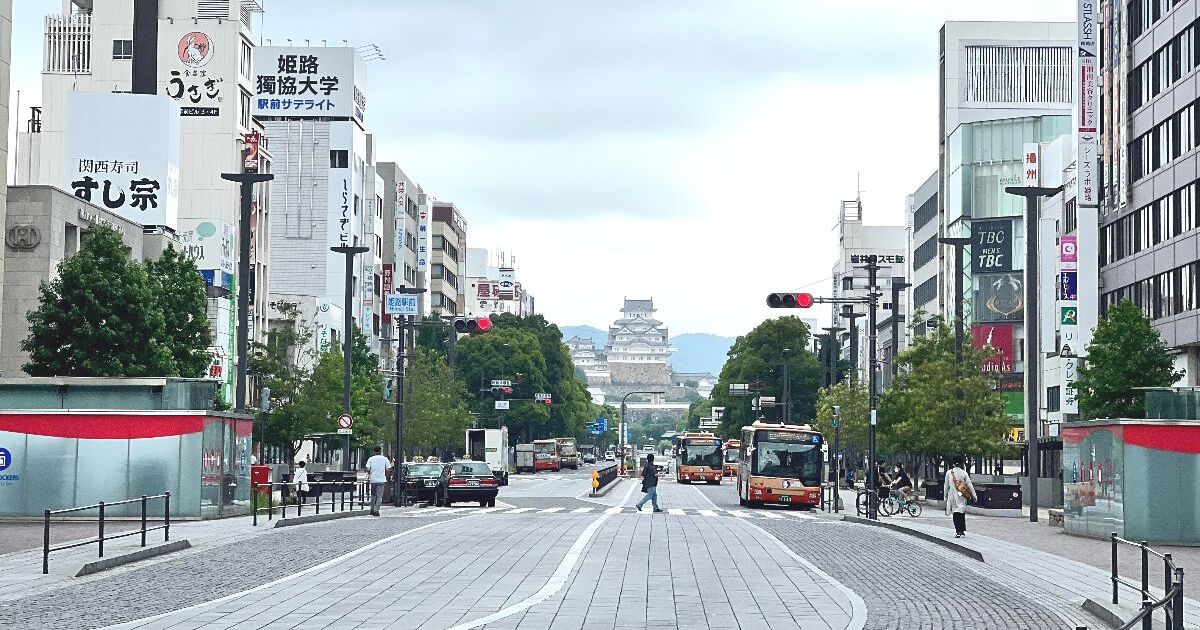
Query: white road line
[520, 510]
[675, 511]
[553, 585]
[614, 510]
[770, 515]
[739, 514]
[705, 497]
[582, 510]
[551, 510]
[802, 516]
[707, 512]
[491, 509]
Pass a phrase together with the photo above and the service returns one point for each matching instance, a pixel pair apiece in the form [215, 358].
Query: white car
[610, 456]
[647, 448]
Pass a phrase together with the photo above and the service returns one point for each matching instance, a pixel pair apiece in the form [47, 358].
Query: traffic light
[790, 300]
[472, 325]
[501, 392]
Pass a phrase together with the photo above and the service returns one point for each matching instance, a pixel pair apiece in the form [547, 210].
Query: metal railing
[606, 475]
[100, 537]
[358, 491]
[1172, 600]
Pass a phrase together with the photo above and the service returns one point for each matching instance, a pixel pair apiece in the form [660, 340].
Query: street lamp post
[622, 429]
[348, 343]
[831, 359]
[958, 243]
[401, 339]
[1032, 391]
[245, 182]
[848, 313]
[898, 285]
[872, 268]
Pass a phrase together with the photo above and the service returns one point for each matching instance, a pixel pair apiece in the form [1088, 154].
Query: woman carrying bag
[958, 491]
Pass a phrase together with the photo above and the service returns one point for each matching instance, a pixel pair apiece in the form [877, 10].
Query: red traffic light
[790, 300]
[507, 391]
[484, 324]
[472, 325]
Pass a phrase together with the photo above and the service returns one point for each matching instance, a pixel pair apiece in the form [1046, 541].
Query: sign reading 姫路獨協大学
[297, 81]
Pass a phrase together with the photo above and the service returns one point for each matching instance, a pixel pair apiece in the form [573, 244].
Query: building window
[1052, 398]
[122, 49]
[339, 158]
[926, 213]
[244, 61]
[926, 292]
[926, 252]
[244, 109]
[71, 241]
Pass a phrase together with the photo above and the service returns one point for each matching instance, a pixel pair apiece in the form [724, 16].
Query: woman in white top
[958, 491]
[300, 478]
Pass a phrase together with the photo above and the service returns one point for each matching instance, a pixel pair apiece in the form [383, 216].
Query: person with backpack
[958, 491]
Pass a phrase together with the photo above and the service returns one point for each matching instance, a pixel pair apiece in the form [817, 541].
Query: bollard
[1178, 603]
[167, 517]
[318, 484]
[1145, 571]
[254, 504]
[270, 503]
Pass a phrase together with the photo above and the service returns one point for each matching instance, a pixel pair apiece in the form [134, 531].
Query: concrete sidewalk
[1044, 561]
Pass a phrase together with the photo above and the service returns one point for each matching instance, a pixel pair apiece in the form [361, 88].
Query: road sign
[541, 396]
[502, 404]
[345, 421]
[400, 304]
[345, 431]
[603, 422]
[499, 383]
[739, 389]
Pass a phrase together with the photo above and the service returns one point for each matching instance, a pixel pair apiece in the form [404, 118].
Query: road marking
[802, 516]
[707, 512]
[675, 511]
[553, 585]
[614, 510]
[491, 509]
[520, 510]
[739, 514]
[770, 515]
[551, 510]
[581, 510]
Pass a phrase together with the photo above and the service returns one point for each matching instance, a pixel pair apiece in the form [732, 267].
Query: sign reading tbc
[991, 246]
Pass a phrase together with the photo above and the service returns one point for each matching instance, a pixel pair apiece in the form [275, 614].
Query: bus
[732, 450]
[698, 458]
[568, 453]
[545, 455]
[781, 464]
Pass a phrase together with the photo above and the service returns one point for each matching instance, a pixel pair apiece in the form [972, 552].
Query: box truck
[491, 446]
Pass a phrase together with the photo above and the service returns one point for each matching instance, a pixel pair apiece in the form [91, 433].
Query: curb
[606, 489]
[141, 554]
[319, 518]
[1103, 613]
[952, 546]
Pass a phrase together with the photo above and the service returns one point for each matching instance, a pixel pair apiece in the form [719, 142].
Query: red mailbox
[260, 475]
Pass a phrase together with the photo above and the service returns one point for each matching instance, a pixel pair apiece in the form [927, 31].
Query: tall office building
[6, 7]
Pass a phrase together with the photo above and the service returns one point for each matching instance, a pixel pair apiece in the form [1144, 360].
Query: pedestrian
[300, 478]
[649, 484]
[958, 491]
[849, 478]
[377, 469]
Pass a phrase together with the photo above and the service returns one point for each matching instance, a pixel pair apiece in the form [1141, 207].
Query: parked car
[421, 479]
[467, 481]
[610, 456]
[589, 458]
[647, 448]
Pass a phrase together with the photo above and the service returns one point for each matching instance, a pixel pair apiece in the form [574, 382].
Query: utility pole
[402, 338]
[872, 268]
[348, 310]
[245, 182]
[1032, 352]
[832, 355]
[848, 313]
[898, 285]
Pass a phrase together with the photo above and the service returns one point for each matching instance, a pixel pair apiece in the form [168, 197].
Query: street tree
[922, 412]
[437, 412]
[1125, 353]
[99, 317]
[180, 294]
[284, 365]
[572, 408]
[854, 411]
[507, 354]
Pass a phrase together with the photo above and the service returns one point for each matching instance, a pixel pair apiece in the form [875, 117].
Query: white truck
[491, 446]
[526, 458]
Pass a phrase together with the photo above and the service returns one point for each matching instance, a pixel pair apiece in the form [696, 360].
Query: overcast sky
[693, 151]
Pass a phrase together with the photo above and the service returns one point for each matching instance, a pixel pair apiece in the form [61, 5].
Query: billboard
[507, 284]
[122, 153]
[999, 338]
[210, 244]
[193, 79]
[305, 82]
[999, 297]
[991, 246]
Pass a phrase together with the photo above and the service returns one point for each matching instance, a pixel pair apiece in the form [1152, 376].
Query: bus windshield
[545, 449]
[790, 455]
[707, 453]
[731, 456]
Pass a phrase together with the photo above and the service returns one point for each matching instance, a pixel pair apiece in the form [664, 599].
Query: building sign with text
[997, 340]
[991, 246]
[999, 297]
[302, 82]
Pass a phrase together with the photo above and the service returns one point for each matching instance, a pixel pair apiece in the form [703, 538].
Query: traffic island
[134, 556]
[605, 489]
[318, 518]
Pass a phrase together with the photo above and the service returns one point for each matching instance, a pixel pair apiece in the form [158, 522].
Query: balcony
[68, 46]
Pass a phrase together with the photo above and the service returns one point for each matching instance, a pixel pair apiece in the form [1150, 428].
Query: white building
[593, 363]
[199, 55]
[492, 286]
[857, 244]
[6, 10]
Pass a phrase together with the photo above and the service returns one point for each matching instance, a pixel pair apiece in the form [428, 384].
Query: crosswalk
[713, 513]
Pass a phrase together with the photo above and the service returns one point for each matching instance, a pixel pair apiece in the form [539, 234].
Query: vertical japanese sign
[122, 153]
[1066, 314]
[401, 212]
[308, 81]
[1030, 158]
[250, 152]
[1078, 318]
[423, 239]
[1088, 136]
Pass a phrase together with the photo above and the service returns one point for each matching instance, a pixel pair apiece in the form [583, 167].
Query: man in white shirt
[377, 467]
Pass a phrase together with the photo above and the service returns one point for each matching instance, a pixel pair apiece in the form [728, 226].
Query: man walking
[649, 484]
[377, 467]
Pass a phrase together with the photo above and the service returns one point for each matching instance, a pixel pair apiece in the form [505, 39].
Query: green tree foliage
[284, 365]
[702, 408]
[573, 409]
[758, 356]
[1125, 353]
[855, 414]
[921, 413]
[181, 297]
[437, 413]
[99, 317]
[509, 354]
[434, 334]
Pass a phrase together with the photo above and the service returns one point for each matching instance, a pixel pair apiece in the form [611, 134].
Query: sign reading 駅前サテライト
[122, 154]
[991, 246]
[297, 82]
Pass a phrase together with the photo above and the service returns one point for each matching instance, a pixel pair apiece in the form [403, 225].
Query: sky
[693, 151]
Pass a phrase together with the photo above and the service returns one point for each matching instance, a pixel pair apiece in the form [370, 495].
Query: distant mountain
[700, 352]
[597, 335]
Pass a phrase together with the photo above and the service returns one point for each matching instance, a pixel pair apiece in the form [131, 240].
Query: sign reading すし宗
[296, 82]
[991, 246]
[122, 154]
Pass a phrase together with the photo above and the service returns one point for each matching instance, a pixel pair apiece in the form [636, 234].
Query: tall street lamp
[1032, 393]
[245, 182]
[958, 243]
[401, 339]
[831, 359]
[898, 284]
[848, 313]
[348, 251]
[872, 268]
[622, 429]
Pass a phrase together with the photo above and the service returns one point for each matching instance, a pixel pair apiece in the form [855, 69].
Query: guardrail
[100, 537]
[358, 491]
[1172, 600]
[606, 475]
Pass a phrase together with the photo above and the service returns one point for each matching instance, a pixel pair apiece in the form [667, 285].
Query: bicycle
[896, 503]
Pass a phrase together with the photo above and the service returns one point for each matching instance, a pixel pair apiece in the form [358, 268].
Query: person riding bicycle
[902, 483]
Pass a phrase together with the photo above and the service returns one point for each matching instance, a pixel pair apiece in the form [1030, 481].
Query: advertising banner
[303, 82]
[998, 339]
[1031, 158]
[423, 239]
[190, 75]
[999, 298]
[991, 246]
[250, 159]
[122, 153]
[211, 245]
[507, 285]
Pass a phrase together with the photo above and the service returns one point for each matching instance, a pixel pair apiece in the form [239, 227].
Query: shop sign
[991, 246]
[23, 237]
[999, 298]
